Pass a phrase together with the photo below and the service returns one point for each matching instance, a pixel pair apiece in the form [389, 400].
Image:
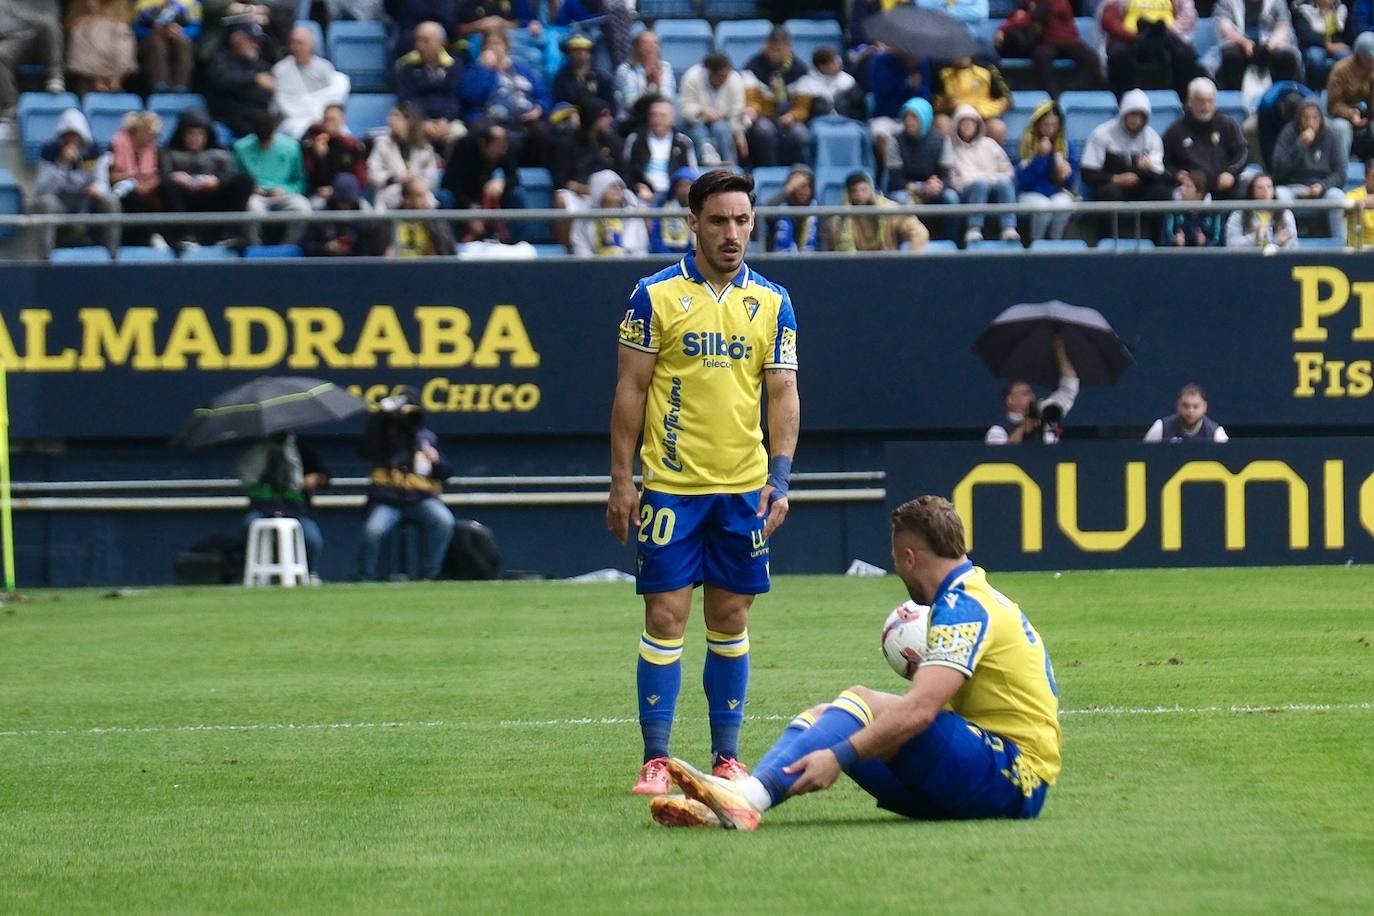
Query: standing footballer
[700, 341]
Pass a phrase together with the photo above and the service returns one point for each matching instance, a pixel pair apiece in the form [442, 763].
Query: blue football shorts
[687, 540]
[954, 769]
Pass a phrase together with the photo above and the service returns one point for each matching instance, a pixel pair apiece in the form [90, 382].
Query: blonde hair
[935, 520]
[146, 121]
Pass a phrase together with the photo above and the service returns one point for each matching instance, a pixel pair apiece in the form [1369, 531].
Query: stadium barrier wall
[127, 351]
[1122, 504]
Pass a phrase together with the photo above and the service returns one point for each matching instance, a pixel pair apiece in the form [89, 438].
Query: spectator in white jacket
[306, 84]
[1268, 230]
[711, 105]
[981, 173]
[404, 153]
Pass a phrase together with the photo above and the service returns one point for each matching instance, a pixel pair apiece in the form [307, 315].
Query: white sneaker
[158, 242]
[1011, 235]
[973, 235]
[55, 85]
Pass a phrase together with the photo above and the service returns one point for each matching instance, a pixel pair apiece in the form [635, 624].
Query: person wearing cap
[579, 79]
[427, 78]
[794, 234]
[1349, 92]
[405, 482]
[711, 99]
[238, 82]
[482, 174]
[275, 164]
[1310, 162]
[872, 233]
[199, 176]
[306, 83]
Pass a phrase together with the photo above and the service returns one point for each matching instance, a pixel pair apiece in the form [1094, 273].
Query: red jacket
[1055, 20]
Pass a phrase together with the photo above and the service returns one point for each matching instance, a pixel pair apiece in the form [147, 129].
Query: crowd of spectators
[602, 110]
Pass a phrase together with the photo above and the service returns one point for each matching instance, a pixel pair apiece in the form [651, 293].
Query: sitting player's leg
[735, 563]
[669, 565]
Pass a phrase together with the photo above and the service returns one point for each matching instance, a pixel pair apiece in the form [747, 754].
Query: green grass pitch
[470, 747]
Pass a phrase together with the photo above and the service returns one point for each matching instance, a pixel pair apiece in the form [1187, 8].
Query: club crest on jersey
[751, 307]
[686, 302]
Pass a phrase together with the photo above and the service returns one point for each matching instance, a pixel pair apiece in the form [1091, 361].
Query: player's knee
[815, 711]
[665, 619]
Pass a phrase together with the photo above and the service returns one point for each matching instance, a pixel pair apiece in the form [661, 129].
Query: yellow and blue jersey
[701, 421]
[1010, 691]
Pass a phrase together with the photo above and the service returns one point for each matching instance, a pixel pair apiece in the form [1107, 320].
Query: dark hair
[1192, 388]
[1247, 217]
[1010, 386]
[488, 131]
[1199, 180]
[935, 520]
[264, 123]
[716, 61]
[857, 177]
[822, 56]
[718, 181]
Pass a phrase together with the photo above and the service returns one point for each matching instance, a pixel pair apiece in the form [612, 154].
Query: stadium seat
[841, 142]
[1123, 244]
[1087, 30]
[169, 105]
[359, 49]
[668, 9]
[741, 39]
[365, 113]
[1204, 35]
[144, 253]
[1085, 110]
[1059, 244]
[272, 251]
[550, 250]
[732, 9]
[210, 253]
[685, 42]
[830, 185]
[106, 110]
[994, 246]
[1354, 174]
[768, 182]
[1017, 117]
[11, 200]
[940, 246]
[810, 34]
[38, 113]
[538, 185]
[1232, 102]
[314, 29]
[1165, 108]
[85, 254]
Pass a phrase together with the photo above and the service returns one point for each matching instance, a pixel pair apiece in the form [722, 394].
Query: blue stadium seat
[841, 142]
[86, 254]
[272, 251]
[668, 9]
[169, 105]
[741, 39]
[210, 253]
[1165, 108]
[1085, 110]
[106, 110]
[549, 250]
[1058, 244]
[994, 246]
[1354, 174]
[538, 185]
[315, 30]
[1087, 30]
[360, 50]
[144, 253]
[1232, 102]
[1205, 36]
[1123, 244]
[768, 181]
[830, 185]
[685, 42]
[1017, 117]
[941, 246]
[1321, 241]
[732, 9]
[38, 113]
[11, 200]
[810, 34]
[365, 112]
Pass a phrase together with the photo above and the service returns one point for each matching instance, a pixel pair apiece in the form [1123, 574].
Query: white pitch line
[630, 720]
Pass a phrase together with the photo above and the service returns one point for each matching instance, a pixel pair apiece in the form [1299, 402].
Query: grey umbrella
[922, 33]
[1019, 344]
[268, 405]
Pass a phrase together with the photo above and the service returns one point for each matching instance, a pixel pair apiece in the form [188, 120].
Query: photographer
[407, 476]
[282, 475]
[1026, 416]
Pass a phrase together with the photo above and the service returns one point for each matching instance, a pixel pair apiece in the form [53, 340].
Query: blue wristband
[779, 476]
[844, 752]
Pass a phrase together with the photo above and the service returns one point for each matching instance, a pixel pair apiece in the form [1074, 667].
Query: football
[904, 637]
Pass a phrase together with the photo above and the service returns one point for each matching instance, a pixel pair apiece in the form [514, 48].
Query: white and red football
[905, 635]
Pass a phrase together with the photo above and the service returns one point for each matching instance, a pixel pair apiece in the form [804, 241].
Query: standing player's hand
[620, 508]
[818, 769]
[775, 512]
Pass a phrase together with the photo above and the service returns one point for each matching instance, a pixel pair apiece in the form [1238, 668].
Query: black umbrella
[265, 406]
[1019, 344]
[922, 33]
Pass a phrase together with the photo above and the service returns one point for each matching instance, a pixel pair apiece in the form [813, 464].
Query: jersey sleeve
[958, 634]
[638, 329]
[784, 355]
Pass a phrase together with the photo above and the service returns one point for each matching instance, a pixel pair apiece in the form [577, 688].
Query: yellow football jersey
[1010, 691]
[701, 422]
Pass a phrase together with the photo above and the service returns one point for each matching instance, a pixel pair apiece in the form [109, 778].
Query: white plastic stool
[276, 547]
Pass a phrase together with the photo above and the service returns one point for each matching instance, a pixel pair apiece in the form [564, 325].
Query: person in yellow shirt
[1359, 222]
[976, 736]
[980, 86]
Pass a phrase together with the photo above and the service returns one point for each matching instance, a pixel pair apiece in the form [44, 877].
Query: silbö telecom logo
[672, 425]
[715, 350]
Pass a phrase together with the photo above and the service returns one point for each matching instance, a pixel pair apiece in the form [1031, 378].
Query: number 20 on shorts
[656, 526]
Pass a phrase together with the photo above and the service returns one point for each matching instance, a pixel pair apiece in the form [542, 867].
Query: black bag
[472, 554]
